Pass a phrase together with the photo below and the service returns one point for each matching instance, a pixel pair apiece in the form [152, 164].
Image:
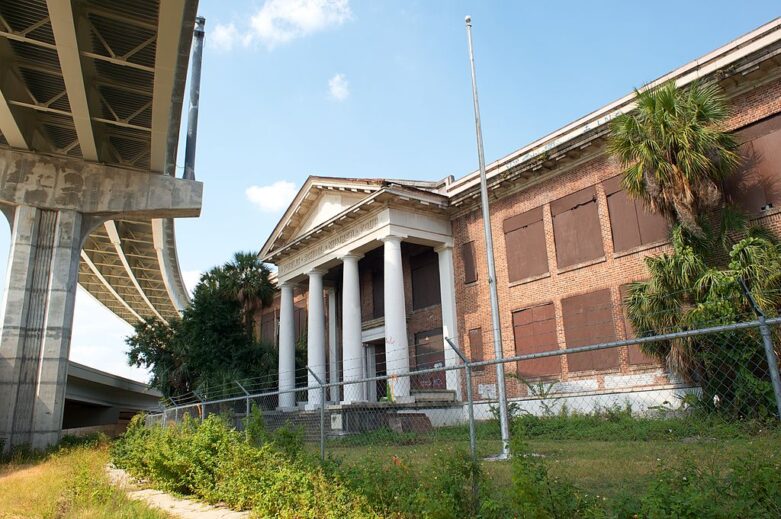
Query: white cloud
[224, 36]
[339, 87]
[191, 278]
[272, 198]
[281, 21]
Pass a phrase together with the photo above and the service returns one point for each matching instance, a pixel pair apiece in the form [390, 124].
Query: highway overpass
[100, 401]
[90, 105]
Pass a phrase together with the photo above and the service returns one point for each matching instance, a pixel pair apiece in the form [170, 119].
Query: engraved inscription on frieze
[327, 245]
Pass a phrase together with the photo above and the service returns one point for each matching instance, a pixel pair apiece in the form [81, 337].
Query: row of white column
[396, 342]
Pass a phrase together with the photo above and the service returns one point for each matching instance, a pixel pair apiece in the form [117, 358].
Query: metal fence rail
[649, 390]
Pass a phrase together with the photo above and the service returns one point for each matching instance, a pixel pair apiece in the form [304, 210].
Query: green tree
[248, 281]
[676, 156]
[675, 151]
[210, 347]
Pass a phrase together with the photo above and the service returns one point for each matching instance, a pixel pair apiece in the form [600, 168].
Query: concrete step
[433, 395]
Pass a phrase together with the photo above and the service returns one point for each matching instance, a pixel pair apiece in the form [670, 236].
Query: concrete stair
[433, 395]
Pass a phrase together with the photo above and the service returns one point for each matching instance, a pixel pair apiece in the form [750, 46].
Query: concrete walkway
[175, 506]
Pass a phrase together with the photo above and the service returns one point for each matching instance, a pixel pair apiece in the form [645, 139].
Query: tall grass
[68, 482]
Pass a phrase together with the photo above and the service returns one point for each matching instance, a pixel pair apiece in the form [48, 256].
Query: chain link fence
[602, 412]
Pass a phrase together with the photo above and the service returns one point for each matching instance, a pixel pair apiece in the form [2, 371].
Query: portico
[349, 245]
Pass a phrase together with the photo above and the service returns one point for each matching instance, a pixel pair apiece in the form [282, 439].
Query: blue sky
[381, 88]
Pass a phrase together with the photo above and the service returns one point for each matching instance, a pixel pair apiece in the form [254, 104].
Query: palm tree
[675, 151]
[248, 281]
[687, 292]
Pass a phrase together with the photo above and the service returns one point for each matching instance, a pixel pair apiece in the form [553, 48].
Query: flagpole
[489, 250]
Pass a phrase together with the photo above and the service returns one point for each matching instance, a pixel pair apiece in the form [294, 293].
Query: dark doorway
[429, 353]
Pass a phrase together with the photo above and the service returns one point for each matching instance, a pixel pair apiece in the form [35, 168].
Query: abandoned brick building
[375, 273]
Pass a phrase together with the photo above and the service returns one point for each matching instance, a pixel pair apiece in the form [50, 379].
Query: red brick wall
[610, 272]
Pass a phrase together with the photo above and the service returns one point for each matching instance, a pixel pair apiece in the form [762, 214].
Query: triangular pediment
[325, 207]
[319, 200]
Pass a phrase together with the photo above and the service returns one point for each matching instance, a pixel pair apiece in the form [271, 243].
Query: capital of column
[317, 271]
[350, 256]
[445, 247]
[393, 238]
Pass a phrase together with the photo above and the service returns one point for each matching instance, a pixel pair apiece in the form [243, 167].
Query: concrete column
[352, 348]
[396, 344]
[315, 337]
[287, 348]
[37, 322]
[333, 354]
[449, 316]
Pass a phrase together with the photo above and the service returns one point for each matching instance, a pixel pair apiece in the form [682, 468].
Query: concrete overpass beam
[63, 183]
[37, 320]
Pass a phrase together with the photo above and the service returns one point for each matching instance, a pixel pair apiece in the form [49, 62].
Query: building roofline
[725, 55]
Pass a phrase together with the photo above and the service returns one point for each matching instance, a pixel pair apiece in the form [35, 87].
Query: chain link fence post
[322, 412]
[246, 407]
[767, 343]
[772, 360]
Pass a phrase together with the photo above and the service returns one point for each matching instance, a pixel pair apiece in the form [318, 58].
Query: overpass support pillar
[37, 317]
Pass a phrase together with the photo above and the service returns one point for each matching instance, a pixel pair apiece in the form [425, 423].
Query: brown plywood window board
[756, 186]
[476, 347]
[636, 355]
[425, 279]
[299, 318]
[468, 259]
[534, 331]
[524, 241]
[378, 294]
[632, 223]
[576, 228]
[588, 320]
[268, 326]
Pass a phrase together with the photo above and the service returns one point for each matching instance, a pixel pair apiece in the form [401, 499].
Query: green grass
[67, 483]
[602, 456]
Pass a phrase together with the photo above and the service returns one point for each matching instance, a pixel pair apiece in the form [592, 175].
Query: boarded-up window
[476, 347]
[588, 320]
[300, 323]
[576, 228]
[524, 241]
[425, 279]
[378, 294]
[757, 186]
[429, 353]
[468, 259]
[534, 330]
[636, 355]
[268, 325]
[632, 223]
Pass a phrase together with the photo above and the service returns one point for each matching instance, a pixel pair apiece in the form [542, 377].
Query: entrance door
[375, 367]
[429, 353]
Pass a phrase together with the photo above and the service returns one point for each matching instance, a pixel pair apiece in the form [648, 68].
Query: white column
[333, 354]
[449, 316]
[352, 354]
[287, 348]
[315, 337]
[396, 345]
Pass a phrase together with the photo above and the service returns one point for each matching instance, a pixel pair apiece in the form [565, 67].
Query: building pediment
[325, 204]
[318, 200]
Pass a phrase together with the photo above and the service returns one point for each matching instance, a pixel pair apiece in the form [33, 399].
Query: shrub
[214, 462]
[750, 487]
[538, 495]
[441, 488]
